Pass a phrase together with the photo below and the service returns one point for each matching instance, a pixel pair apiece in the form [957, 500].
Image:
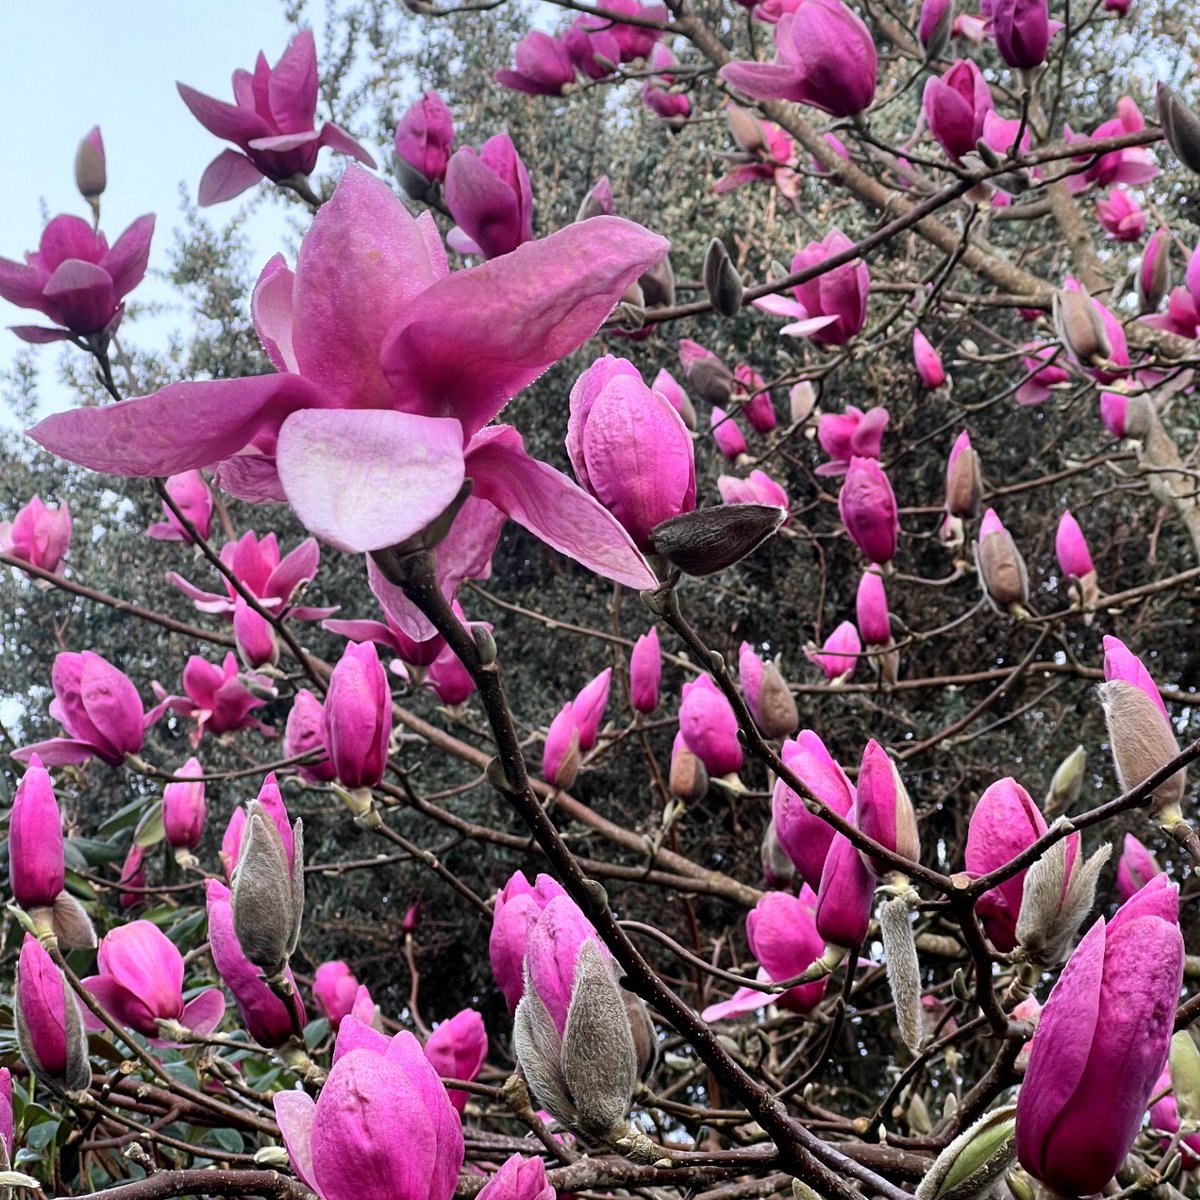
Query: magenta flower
[1132, 165]
[852, 434]
[195, 501]
[133, 874]
[838, 657]
[335, 990]
[934, 25]
[824, 57]
[1182, 316]
[305, 732]
[450, 680]
[556, 936]
[634, 41]
[1135, 868]
[1004, 822]
[573, 732]
[805, 837]
[218, 698]
[456, 1050]
[729, 438]
[49, 1025]
[867, 506]
[542, 66]
[489, 196]
[519, 1178]
[831, 307]
[75, 279]
[593, 47]
[757, 488]
[517, 904]
[871, 609]
[1071, 549]
[955, 106]
[845, 897]
[1120, 215]
[140, 984]
[36, 867]
[99, 708]
[263, 1015]
[424, 135]
[38, 535]
[358, 717]
[272, 122]
[334, 1143]
[645, 672]
[386, 377]
[928, 362]
[758, 409]
[782, 933]
[1101, 1045]
[1022, 29]
[184, 809]
[656, 95]
[773, 149]
[630, 448]
[884, 811]
[709, 726]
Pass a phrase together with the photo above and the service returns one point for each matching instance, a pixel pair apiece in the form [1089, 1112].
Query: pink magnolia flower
[593, 46]
[729, 438]
[970, 28]
[450, 680]
[335, 990]
[574, 730]
[99, 708]
[852, 434]
[824, 56]
[218, 698]
[1120, 215]
[804, 835]
[845, 897]
[955, 106]
[630, 448]
[517, 904]
[263, 1015]
[456, 1050]
[1182, 316]
[1135, 868]
[782, 933]
[1113, 408]
[667, 385]
[831, 307]
[934, 24]
[195, 501]
[709, 726]
[489, 196]
[1071, 549]
[1134, 164]
[1022, 29]
[928, 362]
[183, 807]
[1101, 1045]
[424, 135]
[358, 717]
[542, 66]
[775, 155]
[867, 506]
[838, 657]
[757, 488]
[272, 122]
[334, 1143]
[140, 984]
[38, 535]
[1000, 134]
[1041, 362]
[305, 732]
[36, 867]
[386, 376]
[656, 93]
[645, 672]
[75, 279]
[758, 409]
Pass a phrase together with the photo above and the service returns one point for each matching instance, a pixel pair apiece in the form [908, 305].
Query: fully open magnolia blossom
[388, 368]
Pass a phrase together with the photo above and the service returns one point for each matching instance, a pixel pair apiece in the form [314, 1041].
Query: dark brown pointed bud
[1080, 327]
[1154, 275]
[964, 480]
[746, 129]
[1001, 567]
[711, 539]
[411, 180]
[1181, 127]
[658, 285]
[721, 279]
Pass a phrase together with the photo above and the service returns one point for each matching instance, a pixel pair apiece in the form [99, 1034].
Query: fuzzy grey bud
[1142, 741]
[903, 969]
[721, 279]
[1181, 127]
[1080, 327]
[658, 285]
[268, 892]
[1052, 912]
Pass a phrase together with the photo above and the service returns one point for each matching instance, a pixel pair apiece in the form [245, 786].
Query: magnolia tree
[791, 770]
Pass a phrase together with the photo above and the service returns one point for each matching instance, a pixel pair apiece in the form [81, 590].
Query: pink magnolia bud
[851, 434]
[38, 535]
[729, 438]
[871, 608]
[254, 636]
[1001, 567]
[767, 695]
[1135, 868]
[1004, 822]
[1022, 29]
[867, 506]
[1154, 273]
[555, 937]
[519, 1178]
[456, 1050]
[589, 708]
[91, 178]
[195, 501]
[709, 726]
[758, 409]
[424, 135]
[140, 983]
[36, 868]
[845, 897]
[412, 918]
[358, 717]
[1101, 1045]
[1045, 374]
[709, 377]
[517, 903]
[645, 672]
[885, 813]
[561, 752]
[928, 362]
[133, 874]
[335, 989]
[449, 678]
[759, 488]
[489, 196]
[48, 1021]
[1121, 663]
[666, 385]
[184, 809]
[231, 842]
[688, 779]
[964, 482]
[630, 448]
[824, 57]
[334, 1142]
[838, 657]
[264, 1016]
[934, 26]
[804, 835]
[778, 869]
[304, 733]
[1071, 549]
[1120, 215]
[955, 106]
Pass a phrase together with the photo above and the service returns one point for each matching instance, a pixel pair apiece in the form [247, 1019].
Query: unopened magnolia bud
[801, 1191]
[711, 380]
[1185, 1076]
[410, 179]
[1080, 327]
[658, 284]
[1067, 782]
[711, 539]
[934, 27]
[917, 1115]
[903, 970]
[1181, 127]
[412, 918]
[778, 715]
[90, 175]
[1051, 913]
[721, 279]
[777, 866]
[268, 891]
[688, 779]
[802, 399]
[745, 129]
[1141, 740]
[272, 1156]
[1020, 1185]
[1154, 274]
[971, 1165]
[485, 644]
[964, 482]
[1001, 568]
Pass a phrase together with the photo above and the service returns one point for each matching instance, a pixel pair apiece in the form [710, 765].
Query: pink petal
[763, 81]
[228, 175]
[338, 140]
[298, 567]
[808, 326]
[203, 1014]
[780, 306]
[368, 478]
[282, 142]
[56, 752]
[294, 1111]
[292, 88]
[744, 1000]
[227, 121]
[126, 261]
[271, 311]
[38, 335]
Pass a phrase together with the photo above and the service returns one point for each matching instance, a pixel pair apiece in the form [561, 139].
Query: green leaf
[150, 831]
